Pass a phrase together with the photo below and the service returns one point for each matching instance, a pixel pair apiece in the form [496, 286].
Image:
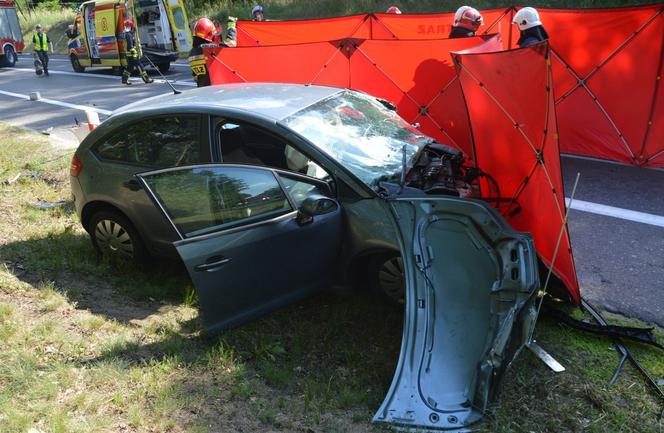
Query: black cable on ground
[643, 335]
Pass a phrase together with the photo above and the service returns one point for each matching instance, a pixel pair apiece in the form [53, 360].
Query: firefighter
[530, 26]
[466, 22]
[133, 55]
[206, 33]
[393, 10]
[257, 13]
[42, 44]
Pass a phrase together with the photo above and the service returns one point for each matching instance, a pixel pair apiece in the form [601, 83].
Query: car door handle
[132, 185]
[212, 264]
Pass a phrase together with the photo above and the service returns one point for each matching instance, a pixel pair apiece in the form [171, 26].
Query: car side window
[201, 200]
[156, 142]
[241, 143]
[299, 188]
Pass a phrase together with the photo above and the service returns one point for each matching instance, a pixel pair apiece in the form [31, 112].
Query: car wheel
[75, 64]
[114, 236]
[10, 57]
[164, 67]
[387, 278]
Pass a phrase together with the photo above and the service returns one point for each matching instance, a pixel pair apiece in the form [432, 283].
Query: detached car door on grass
[246, 246]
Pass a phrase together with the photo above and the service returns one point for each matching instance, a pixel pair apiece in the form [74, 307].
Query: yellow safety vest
[41, 43]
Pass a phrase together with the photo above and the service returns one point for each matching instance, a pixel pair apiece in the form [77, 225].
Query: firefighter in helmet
[257, 13]
[206, 33]
[532, 31]
[133, 55]
[467, 21]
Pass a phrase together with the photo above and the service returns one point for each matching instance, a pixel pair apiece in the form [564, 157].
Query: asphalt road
[620, 262]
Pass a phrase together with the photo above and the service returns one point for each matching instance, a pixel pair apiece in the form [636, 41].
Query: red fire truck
[11, 39]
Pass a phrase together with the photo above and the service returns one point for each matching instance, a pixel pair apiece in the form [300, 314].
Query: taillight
[76, 166]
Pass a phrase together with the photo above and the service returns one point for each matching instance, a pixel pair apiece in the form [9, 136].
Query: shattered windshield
[361, 134]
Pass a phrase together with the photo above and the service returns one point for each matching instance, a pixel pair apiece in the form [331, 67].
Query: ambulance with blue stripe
[162, 31]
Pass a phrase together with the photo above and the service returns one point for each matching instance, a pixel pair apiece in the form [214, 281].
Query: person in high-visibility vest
[133, 54]
[42, 44]
[206, 33]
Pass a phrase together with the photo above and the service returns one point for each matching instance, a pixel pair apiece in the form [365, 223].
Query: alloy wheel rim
[111, 237]
[391, 279]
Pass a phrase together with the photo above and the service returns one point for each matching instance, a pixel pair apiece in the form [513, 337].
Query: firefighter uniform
[205, 33]
[133, 54]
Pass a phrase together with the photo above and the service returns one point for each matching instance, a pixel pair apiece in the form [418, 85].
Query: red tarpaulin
[420, 80]
[607, 68]
[419, 76]
[509, 95]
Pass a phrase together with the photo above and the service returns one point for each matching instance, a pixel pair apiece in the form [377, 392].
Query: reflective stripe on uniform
[198, 64]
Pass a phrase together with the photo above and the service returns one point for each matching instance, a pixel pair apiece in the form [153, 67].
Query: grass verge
[88, 346]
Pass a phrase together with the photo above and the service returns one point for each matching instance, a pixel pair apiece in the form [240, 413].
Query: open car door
[245, 240]
[471, 282]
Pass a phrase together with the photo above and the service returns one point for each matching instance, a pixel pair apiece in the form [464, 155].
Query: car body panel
[471, 282]
[470, 279]
[246, 270]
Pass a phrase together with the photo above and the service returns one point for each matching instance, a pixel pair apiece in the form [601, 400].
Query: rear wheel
[75, 64]
[10, 56]
[387, 278]
[114, 236]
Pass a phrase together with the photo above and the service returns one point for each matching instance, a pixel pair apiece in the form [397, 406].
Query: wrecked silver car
[300, 187]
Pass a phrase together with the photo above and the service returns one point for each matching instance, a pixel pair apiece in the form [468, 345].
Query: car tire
[386, 278]
[75, 64]
[164, 67]
[10, 58]
[113, 235]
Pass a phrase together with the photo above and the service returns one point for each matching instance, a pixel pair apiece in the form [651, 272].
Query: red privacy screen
[607, 66]
[511, 107]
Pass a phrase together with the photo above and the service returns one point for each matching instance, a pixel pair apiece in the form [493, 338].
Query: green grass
[90, 346]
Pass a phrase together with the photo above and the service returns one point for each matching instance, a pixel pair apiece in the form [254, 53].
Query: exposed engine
[439, 170]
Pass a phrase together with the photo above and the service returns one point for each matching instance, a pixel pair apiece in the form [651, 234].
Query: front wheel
[10, 58]
[75, 64]
[387, 278]
[114, 236]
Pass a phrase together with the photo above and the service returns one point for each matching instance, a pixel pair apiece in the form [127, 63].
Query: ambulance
[11, 39]
[162, 30]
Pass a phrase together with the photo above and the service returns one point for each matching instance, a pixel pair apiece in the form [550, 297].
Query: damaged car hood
[471, 282]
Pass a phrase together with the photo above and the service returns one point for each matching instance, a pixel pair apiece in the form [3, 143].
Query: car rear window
[156, 142]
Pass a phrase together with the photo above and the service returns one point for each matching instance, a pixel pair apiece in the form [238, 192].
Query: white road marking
[109, 77]
[58, 103]
[616, 212]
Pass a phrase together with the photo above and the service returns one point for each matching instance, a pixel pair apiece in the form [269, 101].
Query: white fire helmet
[526, 18]
[468, 18]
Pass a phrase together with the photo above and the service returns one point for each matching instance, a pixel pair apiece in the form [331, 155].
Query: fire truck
[11, 39]
[95, 39]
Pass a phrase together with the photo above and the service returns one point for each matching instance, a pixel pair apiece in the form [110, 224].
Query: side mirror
[313, 205]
